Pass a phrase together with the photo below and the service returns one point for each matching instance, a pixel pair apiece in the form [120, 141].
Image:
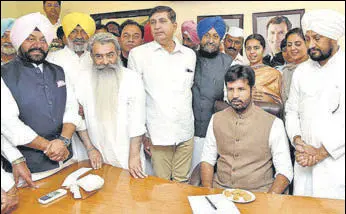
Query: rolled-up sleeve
[71, 109]
[209, 153]
[16, 132]
[136, 102]
[280, 150]
[9, 151]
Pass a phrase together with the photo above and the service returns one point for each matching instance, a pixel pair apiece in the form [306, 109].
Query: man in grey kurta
[211, 66]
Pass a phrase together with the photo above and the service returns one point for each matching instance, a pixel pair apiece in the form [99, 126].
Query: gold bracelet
[18, 161]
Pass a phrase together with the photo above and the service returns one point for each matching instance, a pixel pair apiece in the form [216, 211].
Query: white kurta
[130, 118]
[315, 110]
[77, 70]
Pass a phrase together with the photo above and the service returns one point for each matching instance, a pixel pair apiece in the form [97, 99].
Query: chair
[272, 108]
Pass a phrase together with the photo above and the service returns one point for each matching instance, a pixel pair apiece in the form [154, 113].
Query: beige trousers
[172, 162]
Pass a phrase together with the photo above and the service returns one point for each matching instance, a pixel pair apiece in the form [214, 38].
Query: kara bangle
[18, 161]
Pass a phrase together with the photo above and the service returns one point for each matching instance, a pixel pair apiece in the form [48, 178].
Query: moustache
[236, 100]
[78, 40]
[231, 49]
[111, 67]
[36, 49]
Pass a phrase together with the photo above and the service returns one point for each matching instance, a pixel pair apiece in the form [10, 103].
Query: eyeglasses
[110, 55]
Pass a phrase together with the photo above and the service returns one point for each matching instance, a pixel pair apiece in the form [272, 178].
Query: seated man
[247, 155]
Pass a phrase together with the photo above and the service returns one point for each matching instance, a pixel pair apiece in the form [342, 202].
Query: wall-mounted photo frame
[140, 16]
[234, 20]
[260, 20]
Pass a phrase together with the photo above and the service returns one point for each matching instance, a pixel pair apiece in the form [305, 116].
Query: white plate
[241, 199]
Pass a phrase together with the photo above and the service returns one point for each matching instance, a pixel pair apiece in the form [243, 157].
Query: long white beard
[106, 83]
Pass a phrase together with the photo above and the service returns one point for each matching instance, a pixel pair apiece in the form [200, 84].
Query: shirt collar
[330, 62]
[178, 46]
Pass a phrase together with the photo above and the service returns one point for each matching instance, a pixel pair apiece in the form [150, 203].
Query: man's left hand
[57, 151]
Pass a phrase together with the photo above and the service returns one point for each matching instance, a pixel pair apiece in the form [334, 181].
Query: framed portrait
[140, 16]
[236, 20]
[260, 21]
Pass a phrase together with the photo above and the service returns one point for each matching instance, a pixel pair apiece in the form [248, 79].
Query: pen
[211, 203]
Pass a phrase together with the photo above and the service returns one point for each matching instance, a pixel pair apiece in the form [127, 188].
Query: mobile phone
[52, 196]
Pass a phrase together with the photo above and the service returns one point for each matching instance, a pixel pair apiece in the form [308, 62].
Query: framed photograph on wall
[140, 16]
[260, 21]
[236, 20]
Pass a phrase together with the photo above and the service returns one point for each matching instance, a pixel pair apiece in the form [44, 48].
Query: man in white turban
[39, 112]
[77, 64]
[315, 110]
[233, 43]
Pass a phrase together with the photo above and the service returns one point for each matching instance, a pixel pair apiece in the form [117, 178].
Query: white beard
[77, 48]
[105, 91]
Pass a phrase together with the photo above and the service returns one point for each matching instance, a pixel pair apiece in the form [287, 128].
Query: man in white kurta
[114, 134]
[315, 110]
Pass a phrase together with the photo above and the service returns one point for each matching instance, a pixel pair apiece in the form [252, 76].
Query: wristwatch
[66, 141]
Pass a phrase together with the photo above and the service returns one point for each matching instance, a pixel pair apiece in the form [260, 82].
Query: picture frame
[233, 20]
[140, 16]
[260, 20]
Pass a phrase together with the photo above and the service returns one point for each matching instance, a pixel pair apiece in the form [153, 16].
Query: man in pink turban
[41, 111]
[189, 34]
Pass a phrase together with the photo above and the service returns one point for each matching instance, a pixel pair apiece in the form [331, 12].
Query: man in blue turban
[212, 22]
[8, 52]
[208, 85]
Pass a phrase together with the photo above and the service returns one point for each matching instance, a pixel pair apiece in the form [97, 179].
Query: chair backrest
[272, 108]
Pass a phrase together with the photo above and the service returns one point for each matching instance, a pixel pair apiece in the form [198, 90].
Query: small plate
[244, 196]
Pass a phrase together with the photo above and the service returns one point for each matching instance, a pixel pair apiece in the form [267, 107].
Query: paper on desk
[200, 205]
[72, 178]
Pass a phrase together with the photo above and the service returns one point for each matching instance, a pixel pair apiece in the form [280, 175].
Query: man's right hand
[57, 151]
[9, 200]
[21, 170]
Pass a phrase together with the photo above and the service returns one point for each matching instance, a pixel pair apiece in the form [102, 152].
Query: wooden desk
[123, 194]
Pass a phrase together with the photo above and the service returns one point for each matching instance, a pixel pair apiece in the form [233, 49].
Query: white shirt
[168, 79]
[315, 110]
[77, 69]
[130, 119]
[238, 60]
[278, 144]
[7, 181]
